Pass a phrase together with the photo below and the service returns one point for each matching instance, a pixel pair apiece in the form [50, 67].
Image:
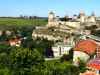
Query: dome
[81, 13]
[87, 46]
[51, 12]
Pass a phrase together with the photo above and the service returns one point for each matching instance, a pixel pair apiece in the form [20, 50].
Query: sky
[42, 7]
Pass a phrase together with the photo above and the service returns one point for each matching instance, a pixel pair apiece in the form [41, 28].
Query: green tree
[5, 71]
[22, 59]
[60, 68]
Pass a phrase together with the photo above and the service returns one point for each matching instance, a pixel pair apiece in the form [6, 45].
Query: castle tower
[74, 17]
[92, 17]
[82, 17]
[57, 18]
[51, 19]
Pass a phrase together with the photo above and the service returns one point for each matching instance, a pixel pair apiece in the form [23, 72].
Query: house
[60, 49]
[83, 50]
[14, 42]
[88, 47]
[80, 56]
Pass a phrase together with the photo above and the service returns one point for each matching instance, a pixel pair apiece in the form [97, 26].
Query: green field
[22, 22]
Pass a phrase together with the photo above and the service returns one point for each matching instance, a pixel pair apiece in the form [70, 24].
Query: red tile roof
[87, 46]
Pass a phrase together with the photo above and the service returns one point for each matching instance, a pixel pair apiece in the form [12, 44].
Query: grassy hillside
[22, 22]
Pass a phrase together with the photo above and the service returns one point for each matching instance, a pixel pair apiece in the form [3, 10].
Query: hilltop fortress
[75, 21]
[58, 28]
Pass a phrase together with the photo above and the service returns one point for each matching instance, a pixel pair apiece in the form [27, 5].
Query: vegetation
[29, 59]
[61, 68]
[22, 22]
[25, 61]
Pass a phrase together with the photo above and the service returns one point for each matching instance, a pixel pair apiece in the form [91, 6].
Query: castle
[75, 21]
[58, 28]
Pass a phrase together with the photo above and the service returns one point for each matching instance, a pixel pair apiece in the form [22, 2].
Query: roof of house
[88, 46]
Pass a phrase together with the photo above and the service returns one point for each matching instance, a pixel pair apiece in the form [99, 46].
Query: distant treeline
[26, 17]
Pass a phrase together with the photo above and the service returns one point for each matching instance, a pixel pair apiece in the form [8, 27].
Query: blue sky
[42, 7]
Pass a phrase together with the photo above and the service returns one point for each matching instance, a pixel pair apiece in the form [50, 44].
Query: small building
[61, 49]
[83, 50]
[14, 42]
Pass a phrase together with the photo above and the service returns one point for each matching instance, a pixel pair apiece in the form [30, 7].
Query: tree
[22, 59]
[60, 68]
[28, 43]
[5, 71]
